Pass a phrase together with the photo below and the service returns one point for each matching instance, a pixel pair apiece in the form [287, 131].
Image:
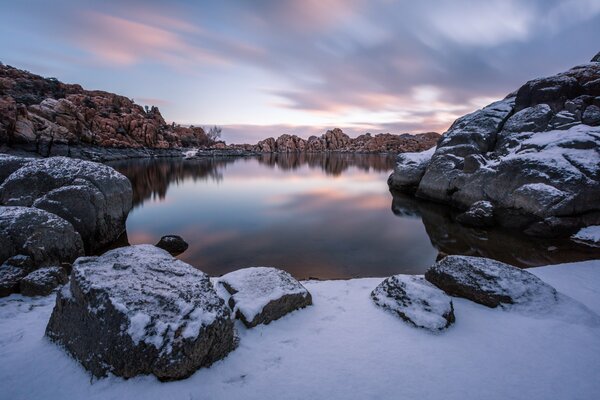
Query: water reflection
[313, 215]
[508, 246]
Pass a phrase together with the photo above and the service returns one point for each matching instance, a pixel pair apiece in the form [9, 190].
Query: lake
[314, 215]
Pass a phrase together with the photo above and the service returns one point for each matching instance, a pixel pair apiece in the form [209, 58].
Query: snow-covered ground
[589, 235]
[344, 347]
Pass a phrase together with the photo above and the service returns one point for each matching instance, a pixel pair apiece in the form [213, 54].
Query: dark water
[312, 215]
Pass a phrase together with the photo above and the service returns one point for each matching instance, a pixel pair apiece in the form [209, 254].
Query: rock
[173, 244]
[137, 310]
[480, 214]
[591, 116]
[44, 237]
[596, 58]
[410, 167]
[416, 301]
[260, 295]
[93, 197]
[10, 277]
[489, 282]
[43, 281]
[530, 156]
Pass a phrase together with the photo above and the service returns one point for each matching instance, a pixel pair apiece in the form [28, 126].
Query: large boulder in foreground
[416, 301]
[93, 197]
[490, 282]
[44, 237]
[137, 310]
[534, 156]
[260, 295]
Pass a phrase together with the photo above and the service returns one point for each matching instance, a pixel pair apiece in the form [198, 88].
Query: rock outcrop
[416, 301]
[534, 156]
[137, 310]
[48, 117]
[93, 197]
[489, 282]
[260, 295]
[336, 140]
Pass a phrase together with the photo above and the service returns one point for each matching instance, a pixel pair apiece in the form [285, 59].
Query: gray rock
[9, 164]
[260, 295]
[529, 156]
[490, 282]
[10, 277]
[93, 197]
[416, 301]
[44, 237]
[137, 310]
[410, 168]
[596, 58]
[591, 116]
[43, 281]
[480, 214]
[173, 244]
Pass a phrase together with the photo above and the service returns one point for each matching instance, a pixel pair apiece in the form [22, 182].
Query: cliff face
[337, 141]
[38, 113]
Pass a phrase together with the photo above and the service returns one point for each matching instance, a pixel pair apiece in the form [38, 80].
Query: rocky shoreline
[530, 161]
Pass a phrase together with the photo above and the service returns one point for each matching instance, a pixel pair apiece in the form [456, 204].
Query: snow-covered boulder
[260, 295]
[46, 238]
[43, 281]
[413, 166]
[173, 244]
[534, 156]
[137, 310]
[93, 197]
[416, 301]
[589, 235]
[490, 282]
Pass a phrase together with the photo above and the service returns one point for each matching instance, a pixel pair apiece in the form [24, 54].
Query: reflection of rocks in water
[331, 163]
[150, 178]
[512, 247]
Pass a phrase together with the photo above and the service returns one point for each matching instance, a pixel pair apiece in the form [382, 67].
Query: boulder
[490, 282]
[44, 237]
[480, 214]
[173, 244]
[43, 281]
[596, 58]
[416, 301]
[260, 295]
[533, 156]
[412, 167]
[93, 197]
[137, 310]
[12, 272]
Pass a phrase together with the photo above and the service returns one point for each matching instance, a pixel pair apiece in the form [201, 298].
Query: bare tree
[214, 133]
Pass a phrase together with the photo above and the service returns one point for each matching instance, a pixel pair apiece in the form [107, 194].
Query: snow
[589, 235]
[417, 158]
[345, 347]
[257, 286]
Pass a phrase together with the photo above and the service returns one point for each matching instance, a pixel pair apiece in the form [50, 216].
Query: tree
[214, 133]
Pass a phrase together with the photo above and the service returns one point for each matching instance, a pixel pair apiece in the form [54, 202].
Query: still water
[320, 216]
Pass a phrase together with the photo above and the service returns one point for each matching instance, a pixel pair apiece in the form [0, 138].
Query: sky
[267, 67]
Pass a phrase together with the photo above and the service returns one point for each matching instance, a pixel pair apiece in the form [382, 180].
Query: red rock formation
[43, 111]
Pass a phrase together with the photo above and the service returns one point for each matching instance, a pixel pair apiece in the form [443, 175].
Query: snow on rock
[412, 167]
[491, 283]
[480, 214]
[45, 237]
[260, 295]
[535, 156]
[93, 197]
[137, 310]
[43, 281]
[588, 235]
[416, 301]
